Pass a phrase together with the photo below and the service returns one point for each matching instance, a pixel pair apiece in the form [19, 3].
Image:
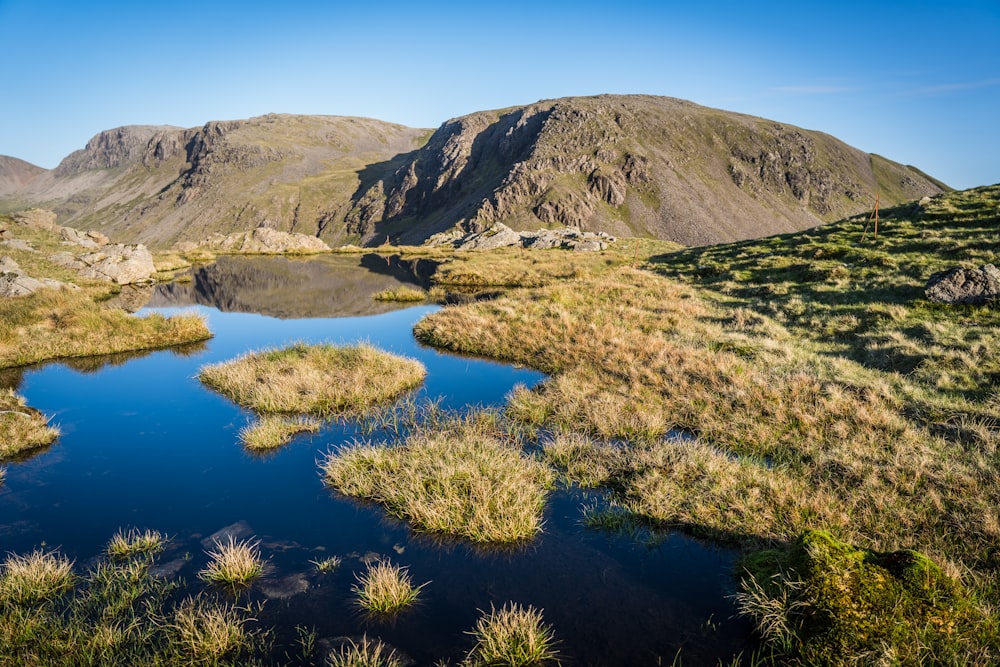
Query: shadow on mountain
[287, 288]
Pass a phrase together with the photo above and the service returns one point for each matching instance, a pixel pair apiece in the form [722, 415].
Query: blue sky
[914, 81]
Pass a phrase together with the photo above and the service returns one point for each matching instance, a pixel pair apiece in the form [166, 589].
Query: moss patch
[826, 602]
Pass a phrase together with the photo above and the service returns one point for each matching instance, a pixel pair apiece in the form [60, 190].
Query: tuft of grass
[461, 477]
[234, 564]
[512, 636]
[328, 564]
[133, 542]
[404, 294]
[322, 380]
[385, 589]
[271, 431]
[40, 576]
[364, 653]
[22, 428]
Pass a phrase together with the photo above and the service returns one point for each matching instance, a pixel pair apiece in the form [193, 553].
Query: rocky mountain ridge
[623, 165]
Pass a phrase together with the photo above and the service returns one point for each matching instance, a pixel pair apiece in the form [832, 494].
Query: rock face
[965, 286]
[499, 235]
[261, 241]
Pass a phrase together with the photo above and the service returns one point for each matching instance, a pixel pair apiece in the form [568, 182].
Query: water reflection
[325, 286]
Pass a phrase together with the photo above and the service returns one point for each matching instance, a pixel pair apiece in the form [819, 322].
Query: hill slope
[628, 165]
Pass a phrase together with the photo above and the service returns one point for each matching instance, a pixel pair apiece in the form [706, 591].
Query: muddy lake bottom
[145, 445]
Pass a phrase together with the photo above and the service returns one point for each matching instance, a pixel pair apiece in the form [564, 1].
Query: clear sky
[917, 82]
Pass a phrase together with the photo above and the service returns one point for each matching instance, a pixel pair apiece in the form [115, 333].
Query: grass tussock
[22, 428]
[815, 386]
[364, 653]
[58, 324]
[207, 633]
[512, 636]
[271, 431]
[403, 294]
[464, 478]
[385, 589]
[133, 542]
[322, 380]
[40, 576]
[234, 564]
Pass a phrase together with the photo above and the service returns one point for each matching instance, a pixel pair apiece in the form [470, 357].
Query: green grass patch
[364, 653]
[34, 578]
[133, 542]
[321, 380]
[22, 428]
[825, 602]
[464, 478]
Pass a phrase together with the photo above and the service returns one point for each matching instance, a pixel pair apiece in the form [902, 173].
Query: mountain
[628, 165]
[161, 184]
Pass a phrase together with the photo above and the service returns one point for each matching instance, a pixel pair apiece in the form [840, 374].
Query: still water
[145, 445]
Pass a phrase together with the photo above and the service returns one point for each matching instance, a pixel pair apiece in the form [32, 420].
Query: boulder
[965, 286]
[117, 262]
[14, 282]
[497, 236]
[37, 218]
[90, 240]
[19, 244]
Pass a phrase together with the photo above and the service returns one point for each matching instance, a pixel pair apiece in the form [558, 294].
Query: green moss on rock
[825, 602]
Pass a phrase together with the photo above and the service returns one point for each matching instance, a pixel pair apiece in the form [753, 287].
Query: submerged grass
[512, 636]
[22, 428]
[462, 477]
[116, 614]
[385, 589]
[817, 388]
[322, 380]
[271, 431]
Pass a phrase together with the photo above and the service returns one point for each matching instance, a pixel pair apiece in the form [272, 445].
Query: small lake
[145, 445]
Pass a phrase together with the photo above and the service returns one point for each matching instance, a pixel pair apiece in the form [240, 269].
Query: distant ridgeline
[625, 165]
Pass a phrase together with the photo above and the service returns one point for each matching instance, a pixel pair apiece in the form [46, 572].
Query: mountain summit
[627, 165]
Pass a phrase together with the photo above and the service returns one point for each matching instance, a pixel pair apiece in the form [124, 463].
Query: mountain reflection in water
[324, 286]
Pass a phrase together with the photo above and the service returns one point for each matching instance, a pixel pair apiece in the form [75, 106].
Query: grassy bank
[322, 380]
[815, 386]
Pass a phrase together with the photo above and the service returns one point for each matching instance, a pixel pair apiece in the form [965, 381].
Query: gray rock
[8, 264]
[16, 283]
[497, 236]
[38, 218]
[260, 241]
[965, 286]
[89, 240]
[117, 262]
[19, 244]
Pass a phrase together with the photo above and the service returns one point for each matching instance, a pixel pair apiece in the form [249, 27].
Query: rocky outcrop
[261, 241]
[964, 286]
[14, 282]
[116, 262]
[499, 235]
[111, 149]
[37, 218]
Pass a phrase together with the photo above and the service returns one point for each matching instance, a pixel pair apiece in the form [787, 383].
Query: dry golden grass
[365, 653]
[133, 542]
[271, 431]
[35, 577]
[22, 428]
[207, 633]
[322, 380]
[463, 478]
[57, 324]
[403, 294]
